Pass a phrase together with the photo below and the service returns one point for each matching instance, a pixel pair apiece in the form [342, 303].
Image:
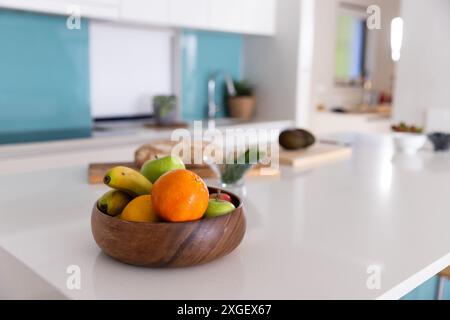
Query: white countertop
[124, 134]
[310, 234]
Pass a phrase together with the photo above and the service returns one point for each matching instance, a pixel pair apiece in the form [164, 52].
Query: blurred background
[79, 68]
[87, 69]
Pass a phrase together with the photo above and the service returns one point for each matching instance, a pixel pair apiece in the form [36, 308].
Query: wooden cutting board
[96, 171]
[175, 125]
[316, 155]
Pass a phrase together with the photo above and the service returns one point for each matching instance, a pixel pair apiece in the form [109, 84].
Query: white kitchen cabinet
[226, 15]
[258, 16]
[103, 9]
[145, 11]
[240, 16]
[190, 13]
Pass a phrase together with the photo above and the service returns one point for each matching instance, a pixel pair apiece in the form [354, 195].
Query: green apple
[218, 207]
[153, 169]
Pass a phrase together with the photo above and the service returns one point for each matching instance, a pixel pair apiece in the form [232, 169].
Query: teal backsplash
[203, 53]
[44, 75]
[428, 290]
[44, 78]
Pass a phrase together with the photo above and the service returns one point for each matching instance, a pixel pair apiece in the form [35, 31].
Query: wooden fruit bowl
[168, 244]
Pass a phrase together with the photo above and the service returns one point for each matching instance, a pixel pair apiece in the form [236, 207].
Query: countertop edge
[416, 280]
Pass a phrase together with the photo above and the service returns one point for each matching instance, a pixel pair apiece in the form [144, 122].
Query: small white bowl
[409, 143]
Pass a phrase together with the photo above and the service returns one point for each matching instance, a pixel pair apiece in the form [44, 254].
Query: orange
[180, 195]
[140, 209]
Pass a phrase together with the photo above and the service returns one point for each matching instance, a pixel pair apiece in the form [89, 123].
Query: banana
[128, 180]
[113, 202]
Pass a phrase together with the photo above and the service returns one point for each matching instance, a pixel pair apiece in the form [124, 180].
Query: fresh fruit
[220, 196]
[113, 202]
[153, 169]
[296, 139]
[403, 127]
[140, 209]
[128, 181]
[180, 195]
[217, 207]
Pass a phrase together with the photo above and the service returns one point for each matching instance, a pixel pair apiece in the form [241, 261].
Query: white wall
[384, 77]
[424, 67]
[129, 65]
[271, 64]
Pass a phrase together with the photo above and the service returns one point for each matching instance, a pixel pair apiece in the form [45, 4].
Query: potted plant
[164, 109]
[242, 104]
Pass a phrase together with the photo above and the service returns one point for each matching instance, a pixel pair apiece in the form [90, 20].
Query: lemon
[140, 209]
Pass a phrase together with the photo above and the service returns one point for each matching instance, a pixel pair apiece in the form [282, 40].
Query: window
[351, 40]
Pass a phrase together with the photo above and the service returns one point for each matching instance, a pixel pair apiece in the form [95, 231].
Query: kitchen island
[371, 227]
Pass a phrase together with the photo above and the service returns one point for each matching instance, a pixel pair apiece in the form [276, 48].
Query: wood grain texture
[167, 244]
[316, 155]
[175, 125]
[97, 171]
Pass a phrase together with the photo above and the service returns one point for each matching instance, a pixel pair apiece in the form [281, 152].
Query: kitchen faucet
[212, 106]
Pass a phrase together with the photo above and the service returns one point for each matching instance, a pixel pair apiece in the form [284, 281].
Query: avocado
[295, 139]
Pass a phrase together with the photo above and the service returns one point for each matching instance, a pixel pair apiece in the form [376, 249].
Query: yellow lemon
[140, 209]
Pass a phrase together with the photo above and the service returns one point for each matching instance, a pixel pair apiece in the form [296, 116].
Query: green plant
[243, 89]
[164, 104]
[233, 172]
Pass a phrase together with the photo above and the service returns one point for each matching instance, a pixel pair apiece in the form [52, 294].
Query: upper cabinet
[258, 16]
[240, 16]
[189, 13]
[145, 11]
[243, 16]
[103, 9]
[226, 15]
